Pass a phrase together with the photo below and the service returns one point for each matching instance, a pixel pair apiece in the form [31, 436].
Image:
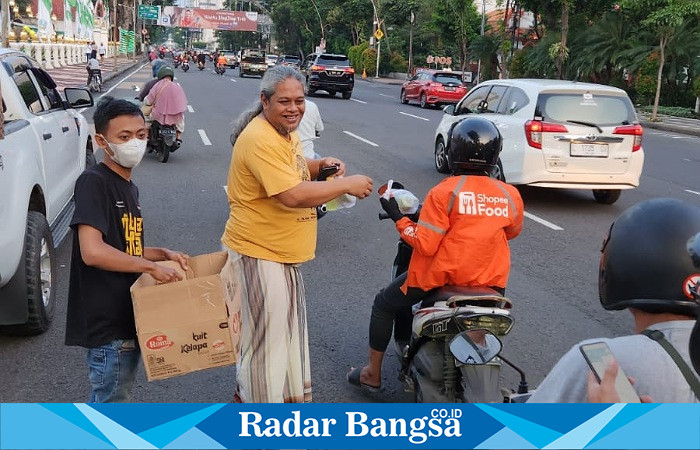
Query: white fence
[53, 55]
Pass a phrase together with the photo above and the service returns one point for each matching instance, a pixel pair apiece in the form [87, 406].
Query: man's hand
[180, 258]
[391, 207]
[605, 392]
[359, 185]
[164, 274]
[330, 161]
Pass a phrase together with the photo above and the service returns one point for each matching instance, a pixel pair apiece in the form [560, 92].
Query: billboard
[174, 16]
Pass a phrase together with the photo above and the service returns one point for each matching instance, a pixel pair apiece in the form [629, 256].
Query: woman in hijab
[169, 101]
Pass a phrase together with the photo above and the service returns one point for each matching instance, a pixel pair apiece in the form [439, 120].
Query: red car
[434, 88]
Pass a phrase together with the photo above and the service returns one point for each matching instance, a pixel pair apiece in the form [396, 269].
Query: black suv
[330, 73]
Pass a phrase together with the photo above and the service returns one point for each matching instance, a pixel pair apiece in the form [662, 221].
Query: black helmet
[645, 262]
[475, 144]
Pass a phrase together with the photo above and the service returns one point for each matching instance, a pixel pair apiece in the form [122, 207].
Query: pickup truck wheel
[40, 263]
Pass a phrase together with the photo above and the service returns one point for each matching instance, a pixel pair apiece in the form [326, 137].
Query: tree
[662, 17]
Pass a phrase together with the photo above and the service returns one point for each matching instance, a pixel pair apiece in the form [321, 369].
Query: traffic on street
[553, 284]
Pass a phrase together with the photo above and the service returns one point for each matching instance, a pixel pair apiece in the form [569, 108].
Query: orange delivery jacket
[462, 234]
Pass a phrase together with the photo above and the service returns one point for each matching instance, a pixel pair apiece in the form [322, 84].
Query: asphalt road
[554, 270]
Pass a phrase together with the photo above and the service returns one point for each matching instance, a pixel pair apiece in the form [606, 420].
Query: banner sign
[349, 426]
[174, 16]
[126, 41]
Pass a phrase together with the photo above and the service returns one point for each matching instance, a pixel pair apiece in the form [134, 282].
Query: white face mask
[128, 154]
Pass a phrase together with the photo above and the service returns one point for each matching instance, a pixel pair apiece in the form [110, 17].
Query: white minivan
[556, 134]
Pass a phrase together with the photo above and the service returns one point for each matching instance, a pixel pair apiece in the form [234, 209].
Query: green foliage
[355, 55]
[696, 87]
[369, 61]
[676, 111]
[398, 63]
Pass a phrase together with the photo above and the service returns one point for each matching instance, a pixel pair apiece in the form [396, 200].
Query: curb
[689, 130]
[120, 70]
[387, 81]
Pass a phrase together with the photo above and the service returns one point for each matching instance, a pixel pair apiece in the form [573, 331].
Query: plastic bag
[408, 203]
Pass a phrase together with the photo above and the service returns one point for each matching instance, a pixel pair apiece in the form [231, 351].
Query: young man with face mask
[109, 254]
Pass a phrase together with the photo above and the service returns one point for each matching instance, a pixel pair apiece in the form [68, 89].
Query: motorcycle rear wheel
[162, 152]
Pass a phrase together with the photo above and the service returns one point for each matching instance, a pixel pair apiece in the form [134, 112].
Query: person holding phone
[646, 268]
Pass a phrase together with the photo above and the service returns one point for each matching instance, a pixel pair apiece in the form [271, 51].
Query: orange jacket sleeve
[433, 223]
[516, 227]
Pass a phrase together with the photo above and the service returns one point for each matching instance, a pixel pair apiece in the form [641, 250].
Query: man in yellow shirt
[271, 230]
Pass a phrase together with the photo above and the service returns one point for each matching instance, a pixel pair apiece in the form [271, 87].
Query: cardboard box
[188, 325]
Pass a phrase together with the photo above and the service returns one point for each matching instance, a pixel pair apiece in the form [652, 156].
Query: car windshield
[333, 60]
[448, 78]
[597, 109]
[291, 59]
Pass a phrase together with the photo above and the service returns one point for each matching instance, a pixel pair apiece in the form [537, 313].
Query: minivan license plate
[593, 150]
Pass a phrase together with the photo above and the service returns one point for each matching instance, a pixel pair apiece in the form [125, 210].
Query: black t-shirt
[99, 301]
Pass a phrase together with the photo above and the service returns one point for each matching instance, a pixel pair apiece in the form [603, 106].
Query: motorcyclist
[93, 69]
[202, 58]
[461, 237]
[645, 267]
[221, 60]
[169, 102]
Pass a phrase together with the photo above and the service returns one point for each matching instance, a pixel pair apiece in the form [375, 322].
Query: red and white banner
[174, 16]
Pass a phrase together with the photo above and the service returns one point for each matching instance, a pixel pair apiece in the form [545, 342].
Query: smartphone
[598, 356]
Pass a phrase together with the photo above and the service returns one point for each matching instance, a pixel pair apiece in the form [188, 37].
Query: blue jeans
[112, 370]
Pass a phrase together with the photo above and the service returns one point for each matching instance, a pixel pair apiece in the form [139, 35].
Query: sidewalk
[381, 80]
[673, 124]
[75, 75]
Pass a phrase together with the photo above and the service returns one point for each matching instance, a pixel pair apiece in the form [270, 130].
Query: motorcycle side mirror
[475, 347]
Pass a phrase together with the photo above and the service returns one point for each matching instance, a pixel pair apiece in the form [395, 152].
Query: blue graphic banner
[349, 426]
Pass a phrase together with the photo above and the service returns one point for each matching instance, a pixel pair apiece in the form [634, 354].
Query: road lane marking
[358, 101]
[204, 137]
[120, 82]
[234, 80]
[190, 108]
[360, 138]
[692, 192]
[416, 117]
[540, 220]
[384, 95]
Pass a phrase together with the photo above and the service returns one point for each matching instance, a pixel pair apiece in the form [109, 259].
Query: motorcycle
[438, 364]
[162, 140]
[200, 65]
[220, 69]
[185, 66]
[96, 80]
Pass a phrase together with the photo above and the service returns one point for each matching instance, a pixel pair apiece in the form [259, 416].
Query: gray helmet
[645, 261]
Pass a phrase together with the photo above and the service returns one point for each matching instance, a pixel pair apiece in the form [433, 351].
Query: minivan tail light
[535, 128]
[632, 130]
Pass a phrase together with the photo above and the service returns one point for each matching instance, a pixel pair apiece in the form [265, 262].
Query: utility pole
[5, 24]
[483, 25]
[410, 46]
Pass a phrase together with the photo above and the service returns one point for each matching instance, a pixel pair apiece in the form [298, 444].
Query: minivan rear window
[600, 109]
[331, 60]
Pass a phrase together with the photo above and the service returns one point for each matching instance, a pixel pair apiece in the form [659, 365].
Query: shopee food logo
[159, 342]
[482, 205]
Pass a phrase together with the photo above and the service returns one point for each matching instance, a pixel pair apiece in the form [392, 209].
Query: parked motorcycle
[162, 140]
[185, 66]
[438, 364]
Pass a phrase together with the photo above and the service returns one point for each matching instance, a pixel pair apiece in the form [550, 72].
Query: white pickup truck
[47, 145]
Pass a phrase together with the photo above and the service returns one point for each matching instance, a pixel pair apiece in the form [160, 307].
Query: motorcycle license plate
[167, 132]
[590, 150]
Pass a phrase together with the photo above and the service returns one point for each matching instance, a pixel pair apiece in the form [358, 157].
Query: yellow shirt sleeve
[271, 164]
